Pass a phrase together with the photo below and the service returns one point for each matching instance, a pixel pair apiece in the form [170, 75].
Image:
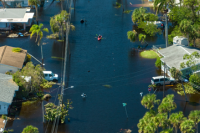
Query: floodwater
[92, 64]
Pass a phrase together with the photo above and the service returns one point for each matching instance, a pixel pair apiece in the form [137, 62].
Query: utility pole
[164, 82]
[166, 27]
[43, 111]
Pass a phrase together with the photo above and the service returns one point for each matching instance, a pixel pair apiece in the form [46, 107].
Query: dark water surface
[111, 61]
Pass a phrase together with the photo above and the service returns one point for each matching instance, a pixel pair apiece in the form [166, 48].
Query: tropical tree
[187, 126]
[195, 116]
[191, 61]
[149, 100]
[176, 119]
[138, 14]
[30, 129]
[186, 27]
[132, 35]
[194, 34]
[35, 3]
[163, 120]
[193, 4]
[162, 4]
[142, 37]
[36, 74]
[53, 111]
[167, 104]
[150, 28]
[37, 29]
[175, 73]
[57, 23]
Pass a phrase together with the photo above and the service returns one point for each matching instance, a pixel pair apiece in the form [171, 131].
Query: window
[162, 79]
[156, 80]
[0, 106]
[50, 75]
[166, 79]
[45, 75]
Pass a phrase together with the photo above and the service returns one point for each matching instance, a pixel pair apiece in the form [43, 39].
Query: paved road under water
[92, 64]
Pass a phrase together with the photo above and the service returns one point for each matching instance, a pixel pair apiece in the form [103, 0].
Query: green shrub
[28, 58]
[3, 117]
[16, 50]
[8, 73]
[195, 79]
[158, 62]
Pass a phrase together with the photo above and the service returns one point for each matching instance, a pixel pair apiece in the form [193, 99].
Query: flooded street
[92, 64]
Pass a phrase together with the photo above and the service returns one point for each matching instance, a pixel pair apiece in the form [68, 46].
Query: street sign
[149, 89]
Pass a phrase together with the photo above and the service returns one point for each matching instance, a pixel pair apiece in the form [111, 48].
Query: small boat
[99, 38]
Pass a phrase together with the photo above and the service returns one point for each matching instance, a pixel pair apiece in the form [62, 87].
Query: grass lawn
[150, 54]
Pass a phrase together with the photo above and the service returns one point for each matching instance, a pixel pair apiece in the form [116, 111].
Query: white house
[17, 3]
[7, 89]
[10, 61]
[173, 56]
[10, 16]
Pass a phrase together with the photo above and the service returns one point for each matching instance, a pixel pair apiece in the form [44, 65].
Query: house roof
[173, 55]
[10, 58]
[15, 15]
[7, 88]
[10, 13]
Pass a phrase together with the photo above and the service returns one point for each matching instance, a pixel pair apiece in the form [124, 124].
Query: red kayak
[99, 38]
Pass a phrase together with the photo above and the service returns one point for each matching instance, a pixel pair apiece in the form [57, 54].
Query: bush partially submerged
[158, 62]
[188, 89]
[16, 50]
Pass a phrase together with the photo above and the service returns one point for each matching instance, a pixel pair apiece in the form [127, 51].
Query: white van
[48, 75]
[159, 80]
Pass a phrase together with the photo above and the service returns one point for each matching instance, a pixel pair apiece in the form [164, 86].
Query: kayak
[99, 38]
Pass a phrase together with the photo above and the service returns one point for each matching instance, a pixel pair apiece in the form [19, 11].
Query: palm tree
[175, 119]
[35, 3]
[162, 4]
[167, 104]
[138, 14]
[39, 31]
[195, 116]
[186, 27]
[148, 118]
[132, 35]
[150, 127]
[187, 126]
[149, 100]
[163, 121]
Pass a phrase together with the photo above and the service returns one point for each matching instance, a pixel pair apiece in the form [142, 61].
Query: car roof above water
[158, 77]
[47, 72]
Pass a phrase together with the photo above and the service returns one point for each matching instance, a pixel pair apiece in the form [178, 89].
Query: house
[173, 56]
[17, 3]
[8, 89]
[10, 61]
[11, 16]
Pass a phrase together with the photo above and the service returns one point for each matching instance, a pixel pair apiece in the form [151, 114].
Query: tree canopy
[30, 129]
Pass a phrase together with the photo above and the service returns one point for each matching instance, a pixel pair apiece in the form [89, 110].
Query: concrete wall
[5, 68]
[4, 108]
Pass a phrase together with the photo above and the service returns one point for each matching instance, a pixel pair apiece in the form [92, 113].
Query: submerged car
[159, 80]
[50, 76]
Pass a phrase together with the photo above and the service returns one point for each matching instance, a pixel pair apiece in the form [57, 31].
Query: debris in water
[107, 86]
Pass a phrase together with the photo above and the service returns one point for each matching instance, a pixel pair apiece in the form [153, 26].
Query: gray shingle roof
[173, 55]
[7, 88]
[12, 13]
